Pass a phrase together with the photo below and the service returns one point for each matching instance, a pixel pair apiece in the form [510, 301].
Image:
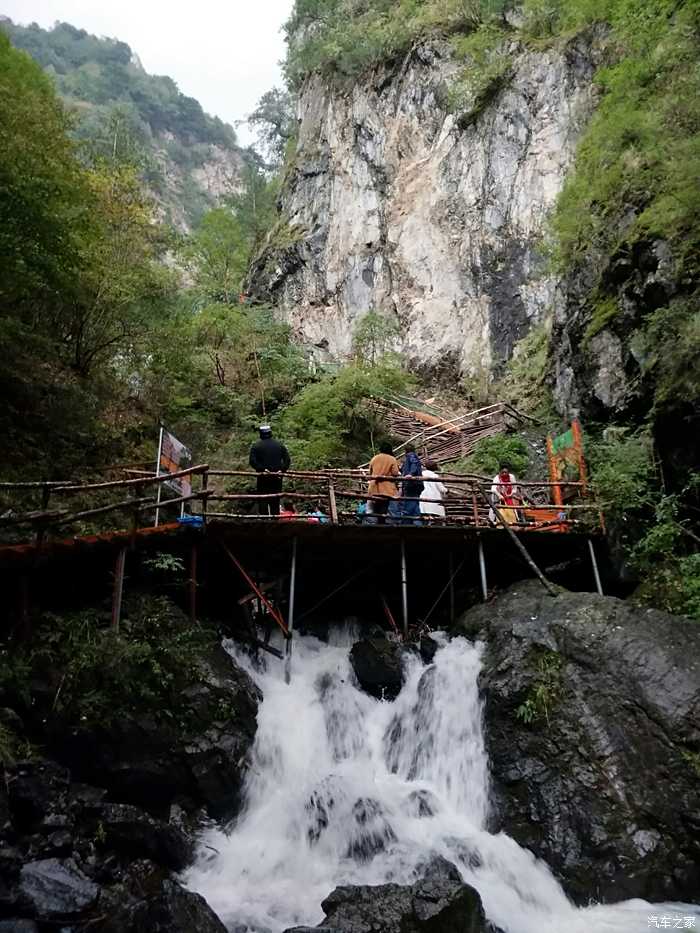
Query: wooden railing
[337, 493]
[44, 518]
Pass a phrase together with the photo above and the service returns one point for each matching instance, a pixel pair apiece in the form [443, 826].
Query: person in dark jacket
[411, 488]
[269, 456]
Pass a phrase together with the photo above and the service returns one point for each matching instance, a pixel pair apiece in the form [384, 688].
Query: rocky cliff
[592, 726]
[393, 203]
[189, 159]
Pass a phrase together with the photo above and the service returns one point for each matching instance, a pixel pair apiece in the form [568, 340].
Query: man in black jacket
[268, 456]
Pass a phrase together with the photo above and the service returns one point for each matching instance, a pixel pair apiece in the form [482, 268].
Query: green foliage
[346, 37]
[545, 690]
[622, 471]
[330, 422]
[98, 676]
[487, 71]
[102, 71]
[693, 760]
[274, 120]
[490, 452]
[603, 312]
[40, 183]
[120, 113]
[373, 335]
[162, 562]
[650, 524]
[637, 165]
[524, 382]
[216, 255]
[668, 344]
[81, 277]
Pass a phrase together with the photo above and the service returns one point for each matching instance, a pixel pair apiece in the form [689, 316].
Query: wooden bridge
[282, 571]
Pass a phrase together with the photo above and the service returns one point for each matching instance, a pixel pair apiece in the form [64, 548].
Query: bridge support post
[482, 570]
[404, 588]
[118, 588]
[594, 563]
[290, 614]
[193, 585]
[452, 588]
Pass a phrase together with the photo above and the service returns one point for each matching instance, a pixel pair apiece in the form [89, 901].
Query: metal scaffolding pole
[290, 614]
[594, 562]
[404, 588]
[482, 569]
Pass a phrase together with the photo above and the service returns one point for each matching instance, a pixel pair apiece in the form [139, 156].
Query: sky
[224, 53]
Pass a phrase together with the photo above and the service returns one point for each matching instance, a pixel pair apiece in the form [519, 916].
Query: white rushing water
[345, 789]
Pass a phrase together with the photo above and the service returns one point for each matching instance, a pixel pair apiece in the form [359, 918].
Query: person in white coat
[432, 489]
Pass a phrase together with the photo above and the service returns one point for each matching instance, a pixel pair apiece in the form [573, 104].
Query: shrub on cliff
[77, 670]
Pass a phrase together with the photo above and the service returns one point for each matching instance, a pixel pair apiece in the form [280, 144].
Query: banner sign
[566, 462]
[173, 456]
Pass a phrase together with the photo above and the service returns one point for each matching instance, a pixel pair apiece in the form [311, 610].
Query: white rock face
[401, 210]
[217, 172]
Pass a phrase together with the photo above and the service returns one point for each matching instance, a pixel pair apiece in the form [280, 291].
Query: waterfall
[346, 789]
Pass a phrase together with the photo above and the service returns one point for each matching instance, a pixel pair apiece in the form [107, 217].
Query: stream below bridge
[346, 789]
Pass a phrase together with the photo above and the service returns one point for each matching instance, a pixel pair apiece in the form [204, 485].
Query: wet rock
[439, 904]
[18, 926]
[428, 648]
[593, 733]
[422, 803]
[378, 668]
[143, 762]
[34, 787]
[171, 910]
[128, 829]
[57, 889]
[370, 832]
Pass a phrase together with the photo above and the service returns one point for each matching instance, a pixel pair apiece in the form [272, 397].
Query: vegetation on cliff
[122, 110]
[103, 337]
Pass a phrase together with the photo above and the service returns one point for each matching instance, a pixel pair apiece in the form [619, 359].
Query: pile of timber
[444, 438]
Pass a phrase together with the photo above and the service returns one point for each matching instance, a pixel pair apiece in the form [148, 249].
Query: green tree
[122, 283]
[274, 121]
[332, 422]
[373, 334]
[255, 205]
[43, 205]
[217, 256]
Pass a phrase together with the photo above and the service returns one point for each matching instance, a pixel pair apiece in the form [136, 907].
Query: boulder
[378, 668]
[144, 762]
[130, 830]
[171, 910]
[428, 647]
[593, 733]
[35, 786]
[439, 903]
[56, 889]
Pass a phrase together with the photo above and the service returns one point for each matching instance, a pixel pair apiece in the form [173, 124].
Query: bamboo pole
[523, 550]
[118, 588]
[126, 483]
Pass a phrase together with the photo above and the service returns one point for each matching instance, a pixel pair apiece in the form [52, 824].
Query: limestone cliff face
[395, 205]
[186, 191]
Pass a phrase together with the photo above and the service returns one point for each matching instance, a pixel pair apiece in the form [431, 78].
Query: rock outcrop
[378, 667]
[593, 733]
[440, 903]
[145, 762]
[70, 859]
[397, 205]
